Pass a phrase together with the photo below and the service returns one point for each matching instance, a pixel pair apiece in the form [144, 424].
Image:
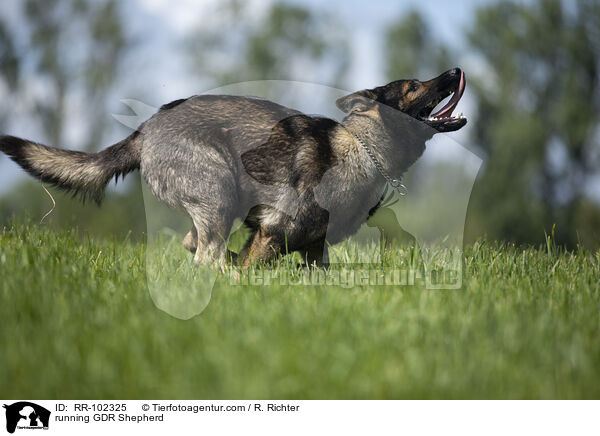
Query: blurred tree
[412, 51]
[76, 47]
[60, 53]
[285, 42]
[537, 120]
[9, 67]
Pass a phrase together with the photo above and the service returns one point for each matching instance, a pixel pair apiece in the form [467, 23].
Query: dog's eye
[413, 87]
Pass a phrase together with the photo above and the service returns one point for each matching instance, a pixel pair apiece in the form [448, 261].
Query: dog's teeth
[459, 116]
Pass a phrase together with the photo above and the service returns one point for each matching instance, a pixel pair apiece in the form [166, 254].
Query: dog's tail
[84, 174]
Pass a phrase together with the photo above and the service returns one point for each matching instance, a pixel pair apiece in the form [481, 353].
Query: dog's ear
[357, 101]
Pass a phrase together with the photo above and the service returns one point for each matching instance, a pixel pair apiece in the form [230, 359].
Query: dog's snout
[446, 78]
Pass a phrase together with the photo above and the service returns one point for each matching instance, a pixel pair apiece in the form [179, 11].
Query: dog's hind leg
[211, 229]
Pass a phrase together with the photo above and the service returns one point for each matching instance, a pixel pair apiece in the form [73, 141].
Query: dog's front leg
[260, 247]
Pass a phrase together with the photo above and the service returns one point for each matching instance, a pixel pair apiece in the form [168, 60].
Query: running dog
[298, 181]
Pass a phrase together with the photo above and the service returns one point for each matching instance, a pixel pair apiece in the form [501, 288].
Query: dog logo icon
[26, 415]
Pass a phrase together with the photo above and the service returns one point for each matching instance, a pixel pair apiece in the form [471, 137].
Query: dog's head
[416, 99]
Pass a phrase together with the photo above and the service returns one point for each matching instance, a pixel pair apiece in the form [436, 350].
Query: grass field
[78, 322]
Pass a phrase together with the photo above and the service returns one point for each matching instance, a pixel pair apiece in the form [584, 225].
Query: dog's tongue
[446, 111]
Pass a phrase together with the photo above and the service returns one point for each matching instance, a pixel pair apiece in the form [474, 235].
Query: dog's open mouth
[443, 120]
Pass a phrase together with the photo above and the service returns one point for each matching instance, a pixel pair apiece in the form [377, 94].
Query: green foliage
[75, 47]
[537, 94]
[524, 326]
[120, 215]
[287, 42]
[537, 120]
[411, 50]
[9, 66]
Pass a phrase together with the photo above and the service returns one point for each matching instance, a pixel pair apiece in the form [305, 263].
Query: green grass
[78, 322]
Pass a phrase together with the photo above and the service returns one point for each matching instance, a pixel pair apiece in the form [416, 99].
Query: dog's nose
[455, 72]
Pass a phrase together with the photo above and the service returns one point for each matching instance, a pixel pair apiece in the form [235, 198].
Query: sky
[365, 18]
[159, 26]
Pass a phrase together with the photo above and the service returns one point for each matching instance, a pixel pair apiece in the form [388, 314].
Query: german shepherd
[298, 181]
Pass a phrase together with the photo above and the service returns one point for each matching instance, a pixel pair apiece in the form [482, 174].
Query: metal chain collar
[396, 183]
